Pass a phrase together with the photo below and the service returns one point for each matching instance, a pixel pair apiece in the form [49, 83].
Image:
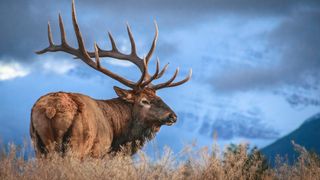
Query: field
[235, 162]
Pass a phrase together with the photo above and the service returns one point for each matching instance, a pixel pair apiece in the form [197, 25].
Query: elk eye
[144, 101]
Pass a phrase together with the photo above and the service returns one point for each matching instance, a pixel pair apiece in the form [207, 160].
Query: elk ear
[124, 94]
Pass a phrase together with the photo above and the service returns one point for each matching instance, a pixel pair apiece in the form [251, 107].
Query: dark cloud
[297, 42]
[298, 38]
[21, 27]
[179, 7]
[298, 100]
[23, 23]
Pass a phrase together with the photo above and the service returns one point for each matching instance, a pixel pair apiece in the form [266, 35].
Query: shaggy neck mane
[130, 134]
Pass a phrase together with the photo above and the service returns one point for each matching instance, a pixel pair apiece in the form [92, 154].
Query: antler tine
[96, 51]
[154, 42]
[78, 33]
[162, 85]
[133, 44]
[144, 73]
[170, 84]
[163, 71]
[113, 44]
[154, 76]
[51, 44]
[64, 45]
[62, 31]
[50, 35]
[182, 81]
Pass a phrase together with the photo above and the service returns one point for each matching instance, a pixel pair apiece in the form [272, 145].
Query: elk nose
[172, 117]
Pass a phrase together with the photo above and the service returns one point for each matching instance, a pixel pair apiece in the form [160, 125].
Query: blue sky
[255, 63]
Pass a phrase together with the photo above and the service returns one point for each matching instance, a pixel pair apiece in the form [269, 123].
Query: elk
[63, 122]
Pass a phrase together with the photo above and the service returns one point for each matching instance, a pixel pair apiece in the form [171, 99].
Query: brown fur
[61, 122]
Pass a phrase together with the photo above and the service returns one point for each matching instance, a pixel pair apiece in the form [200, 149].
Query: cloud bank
[12, 70]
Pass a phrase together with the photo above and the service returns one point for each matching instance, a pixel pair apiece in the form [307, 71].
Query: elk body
[62, 122]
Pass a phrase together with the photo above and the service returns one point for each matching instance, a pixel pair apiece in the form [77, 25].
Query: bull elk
[62, 122]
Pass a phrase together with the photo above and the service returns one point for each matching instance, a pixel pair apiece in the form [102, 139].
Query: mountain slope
[307, 135]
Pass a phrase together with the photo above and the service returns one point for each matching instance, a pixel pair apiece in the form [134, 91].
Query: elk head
[148, 108]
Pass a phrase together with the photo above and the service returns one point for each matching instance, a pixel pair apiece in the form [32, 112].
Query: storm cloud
[24, 22]
[295, 45]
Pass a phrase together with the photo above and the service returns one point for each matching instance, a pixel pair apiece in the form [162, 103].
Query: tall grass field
[235, 162]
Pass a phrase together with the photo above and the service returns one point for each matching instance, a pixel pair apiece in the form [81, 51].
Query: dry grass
[234, 163]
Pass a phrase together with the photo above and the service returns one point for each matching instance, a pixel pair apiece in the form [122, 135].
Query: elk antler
[86, 57]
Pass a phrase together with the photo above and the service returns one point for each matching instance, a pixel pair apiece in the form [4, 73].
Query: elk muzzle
[170, 119]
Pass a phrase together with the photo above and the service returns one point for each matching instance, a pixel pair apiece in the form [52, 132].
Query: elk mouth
[170, 120]
[169, 123]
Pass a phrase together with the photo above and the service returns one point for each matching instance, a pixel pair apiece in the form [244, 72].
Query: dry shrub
[307, 166]
[236, 162]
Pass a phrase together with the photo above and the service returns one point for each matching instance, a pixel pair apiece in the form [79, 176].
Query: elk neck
[126, 128]
[118, 113]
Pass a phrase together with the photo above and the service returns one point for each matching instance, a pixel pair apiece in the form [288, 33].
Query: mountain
[307, 135]
[227, 126]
